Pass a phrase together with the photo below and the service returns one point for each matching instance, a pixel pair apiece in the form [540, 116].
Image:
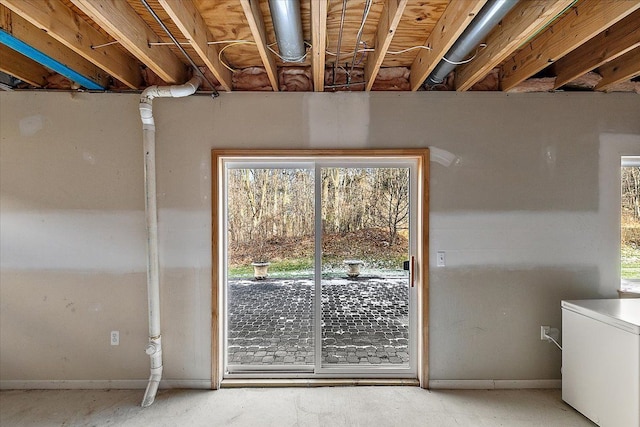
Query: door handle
[412, 270]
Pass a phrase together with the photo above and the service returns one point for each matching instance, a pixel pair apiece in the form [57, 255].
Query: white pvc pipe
[154, 347]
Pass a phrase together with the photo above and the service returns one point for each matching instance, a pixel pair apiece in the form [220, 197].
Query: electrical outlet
[115, 337]
[440, 260]
[544, 331]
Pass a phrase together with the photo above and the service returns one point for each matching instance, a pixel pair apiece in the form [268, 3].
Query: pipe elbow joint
[189, 88]
[147, 95]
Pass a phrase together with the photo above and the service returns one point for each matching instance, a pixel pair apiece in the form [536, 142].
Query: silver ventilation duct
[288, 27]
[488, 17]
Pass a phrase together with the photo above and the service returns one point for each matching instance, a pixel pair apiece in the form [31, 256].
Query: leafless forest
[271, 213]
[631, 206]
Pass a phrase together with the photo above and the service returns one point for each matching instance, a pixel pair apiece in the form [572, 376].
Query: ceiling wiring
[335, 63]
[365, 14]
[188, 43]
[336, 86]
[466, 61]
[239, 42]
[364, 53]
[399, 52]
[348, 69]
[231, 41]
[224, 64]
[276, 53]
[389, 52]
[184, 52]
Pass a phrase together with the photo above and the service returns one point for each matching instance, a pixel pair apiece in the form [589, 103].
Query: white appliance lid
[621, 313]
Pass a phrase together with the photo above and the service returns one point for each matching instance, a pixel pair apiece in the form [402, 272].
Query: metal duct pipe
[154, 347]
[488, 17]
[288, 27]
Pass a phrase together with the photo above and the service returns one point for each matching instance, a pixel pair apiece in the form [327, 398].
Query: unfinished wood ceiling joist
[21, 67]
[256, 23]
[525, 20]
[606, 46]
[127, 27]
[586, 19]
[620, 69]
[389, 20]
[20, 29]
[451, 24]
[118, 43]
[193, 28]
[318, 43]
[60, 22]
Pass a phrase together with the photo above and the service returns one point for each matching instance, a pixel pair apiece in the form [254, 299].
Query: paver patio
[364, 321]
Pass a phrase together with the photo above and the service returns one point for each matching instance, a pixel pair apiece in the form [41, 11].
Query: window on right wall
[630, 227]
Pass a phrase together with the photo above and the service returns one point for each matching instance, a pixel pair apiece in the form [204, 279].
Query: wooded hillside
[271, 213]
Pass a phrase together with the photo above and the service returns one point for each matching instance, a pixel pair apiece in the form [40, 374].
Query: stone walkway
[364, 321]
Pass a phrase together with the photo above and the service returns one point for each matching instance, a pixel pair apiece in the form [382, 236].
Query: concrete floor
[325, 406]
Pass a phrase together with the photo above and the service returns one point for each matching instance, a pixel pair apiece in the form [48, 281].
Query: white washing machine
[601, 360]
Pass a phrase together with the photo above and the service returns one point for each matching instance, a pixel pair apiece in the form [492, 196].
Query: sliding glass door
[318, 257]
[270, 268]
[365, 291]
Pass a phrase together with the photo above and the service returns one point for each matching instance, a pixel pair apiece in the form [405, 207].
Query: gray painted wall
[527, 214]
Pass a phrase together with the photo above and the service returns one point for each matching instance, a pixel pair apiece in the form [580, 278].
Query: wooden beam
[583, 22]
[318, 42]
[216, 257]
[21, 67]
[188, 19]
[451, 24]
[391, 14]
[606, 46]
[256, 24]
[622, 68]
[61, 23]
[22, 30]
[525, 20]
[123, 24]
[423, 267]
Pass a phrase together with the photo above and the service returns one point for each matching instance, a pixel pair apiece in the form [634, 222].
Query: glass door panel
[364, 288]
[316, 280]
[270, 269]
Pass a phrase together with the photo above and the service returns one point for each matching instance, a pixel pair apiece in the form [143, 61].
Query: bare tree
[265, 205]
[390, 200]
[631, 192]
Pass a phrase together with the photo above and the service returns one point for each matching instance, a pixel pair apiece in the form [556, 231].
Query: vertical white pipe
[154, 347]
